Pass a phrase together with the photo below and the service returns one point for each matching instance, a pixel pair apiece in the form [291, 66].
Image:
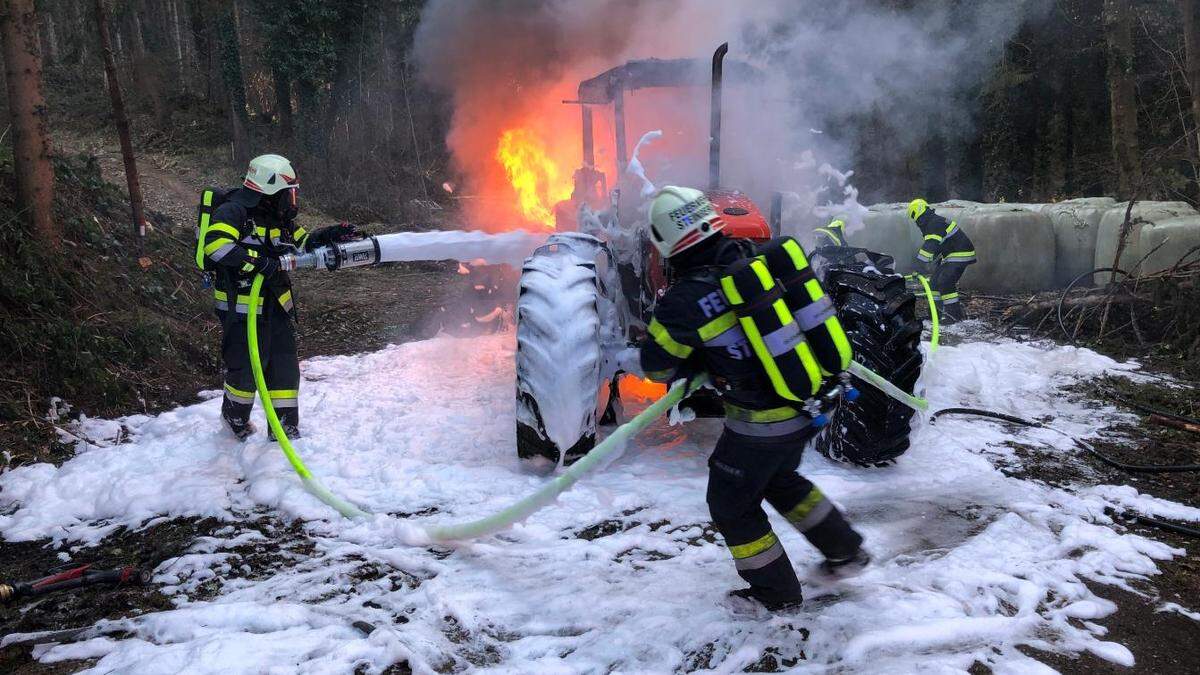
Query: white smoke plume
[505, 62]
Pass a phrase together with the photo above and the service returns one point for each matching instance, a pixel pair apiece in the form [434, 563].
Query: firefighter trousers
[945, 289]
[281, 368]
[745, 470]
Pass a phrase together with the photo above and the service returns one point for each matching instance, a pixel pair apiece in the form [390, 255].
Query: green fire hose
[933, 313]
[310, 481]
[613, 444]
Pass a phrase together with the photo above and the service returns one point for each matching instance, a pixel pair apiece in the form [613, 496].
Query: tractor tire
[557, 359]
[878, 314]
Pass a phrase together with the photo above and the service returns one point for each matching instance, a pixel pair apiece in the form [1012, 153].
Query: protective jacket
[693, 331]
[833, 234]
[236, 236]
[240, 230]
[756, 458]
[944, 241]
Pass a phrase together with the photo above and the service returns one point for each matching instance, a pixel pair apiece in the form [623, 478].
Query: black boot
[848, 566]
[289, 419]
[772, 602]
[241, 428]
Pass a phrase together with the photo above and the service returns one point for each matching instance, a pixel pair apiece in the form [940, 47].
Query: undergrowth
[108, 323]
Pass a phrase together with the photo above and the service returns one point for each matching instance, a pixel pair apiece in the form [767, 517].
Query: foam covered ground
[624, 572]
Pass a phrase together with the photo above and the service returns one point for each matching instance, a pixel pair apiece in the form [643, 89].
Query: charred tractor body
[590, 289]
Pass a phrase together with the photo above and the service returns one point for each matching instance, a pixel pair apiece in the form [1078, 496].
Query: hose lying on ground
[1150, 410]
[544, 495]
[310, 482]
[1131, 468]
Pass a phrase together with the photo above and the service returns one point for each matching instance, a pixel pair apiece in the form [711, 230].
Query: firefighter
[833, 234]
[945, 253]
[247, 232]
[693, 330]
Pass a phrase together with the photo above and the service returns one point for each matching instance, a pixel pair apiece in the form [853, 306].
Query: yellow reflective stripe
[934, 237]
[924, 255]
[763, 274]
[207, 198]
[961, 254]
[283, 393]
[796, 253]
[952, 227]
[755, 547]
[761, 416]
[285, 298]
[810, 366]
[238, 392]
[220, 295]
[262, 232]
[299, 233]
[717, 326]
[668, 343]
[830, 234]
[224, 227]
[806, 505]
[216, 244]
[950, 296]
[247, 267]
[833, 325]
[252, 253]
[731, 291]
[767, 360]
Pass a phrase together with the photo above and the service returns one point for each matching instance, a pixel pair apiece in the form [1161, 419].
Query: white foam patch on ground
[969, 563]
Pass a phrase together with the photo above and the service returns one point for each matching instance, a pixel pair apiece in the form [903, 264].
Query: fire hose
[451, 245]
[933, 312]
[77, 577]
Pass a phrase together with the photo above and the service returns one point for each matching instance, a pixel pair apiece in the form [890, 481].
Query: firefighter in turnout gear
[833, 234]
[695, 330]
[241, 233]
[946, 251]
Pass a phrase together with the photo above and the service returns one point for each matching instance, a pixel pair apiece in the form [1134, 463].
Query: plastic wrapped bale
[1016, 249]
[1143, 214]
[1076, 223]
[1165, 243]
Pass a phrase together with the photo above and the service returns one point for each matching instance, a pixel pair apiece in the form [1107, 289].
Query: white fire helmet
[680, 218]
[269, 174]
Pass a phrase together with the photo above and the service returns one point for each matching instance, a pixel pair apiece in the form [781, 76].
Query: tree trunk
[283, 102]
[1118, 34]
[231, 75]
[118, 104]
[27, 108]
[1190, 14]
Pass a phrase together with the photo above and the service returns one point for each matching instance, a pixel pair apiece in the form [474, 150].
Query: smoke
[824, 64]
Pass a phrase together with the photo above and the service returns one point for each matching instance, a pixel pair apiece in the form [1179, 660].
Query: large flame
[639, 389]
[537, 179]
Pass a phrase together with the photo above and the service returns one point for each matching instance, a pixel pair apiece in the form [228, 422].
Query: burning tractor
[590, 289]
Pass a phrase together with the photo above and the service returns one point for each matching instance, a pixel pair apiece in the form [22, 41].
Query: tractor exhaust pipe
[714, 141]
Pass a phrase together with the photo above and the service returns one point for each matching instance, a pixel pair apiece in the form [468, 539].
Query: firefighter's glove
[333, 234]
[266, 266]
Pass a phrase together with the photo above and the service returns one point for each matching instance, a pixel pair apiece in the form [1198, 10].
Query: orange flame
[536, 178]
[640, 389]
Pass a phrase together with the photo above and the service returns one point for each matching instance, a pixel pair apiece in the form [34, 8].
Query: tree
[1122, 84]
[231, 75]
[27, 109]
[1190, 13]
[122, 121]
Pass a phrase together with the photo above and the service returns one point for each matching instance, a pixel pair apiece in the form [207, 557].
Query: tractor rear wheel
[878, 314]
